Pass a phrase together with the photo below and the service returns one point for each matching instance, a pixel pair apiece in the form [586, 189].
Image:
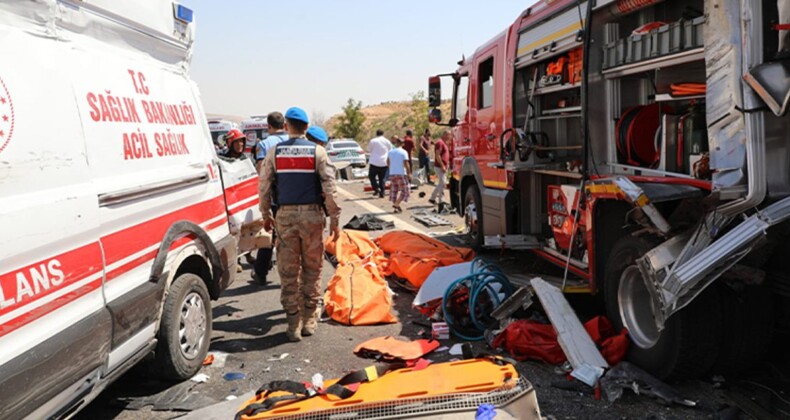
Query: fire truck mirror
[434, 91]
[435, 115]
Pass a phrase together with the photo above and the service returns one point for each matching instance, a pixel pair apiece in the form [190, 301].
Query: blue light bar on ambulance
[184, 14]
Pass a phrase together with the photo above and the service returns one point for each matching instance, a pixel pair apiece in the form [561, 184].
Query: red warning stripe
[295, 163]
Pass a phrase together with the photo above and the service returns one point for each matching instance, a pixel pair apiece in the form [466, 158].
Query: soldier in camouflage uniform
[301, 180]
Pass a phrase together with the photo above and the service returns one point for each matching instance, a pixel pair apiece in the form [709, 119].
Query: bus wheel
[688, 344]
[473, 217]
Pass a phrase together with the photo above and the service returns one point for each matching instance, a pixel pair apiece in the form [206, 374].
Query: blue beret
[296, 113]
[318, 133]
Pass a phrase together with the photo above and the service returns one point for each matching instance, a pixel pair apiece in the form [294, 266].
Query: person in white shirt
[399, 174]
[378, 148]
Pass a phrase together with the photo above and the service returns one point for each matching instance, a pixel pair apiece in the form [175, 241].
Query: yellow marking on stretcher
[547, 39]
[372, 373]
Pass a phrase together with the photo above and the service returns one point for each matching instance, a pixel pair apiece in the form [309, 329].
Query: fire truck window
[461, 97]
[485, 79]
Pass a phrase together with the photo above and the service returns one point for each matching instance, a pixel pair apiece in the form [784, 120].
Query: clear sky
[256, 56]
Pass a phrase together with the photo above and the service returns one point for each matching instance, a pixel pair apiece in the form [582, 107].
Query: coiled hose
[468, 301]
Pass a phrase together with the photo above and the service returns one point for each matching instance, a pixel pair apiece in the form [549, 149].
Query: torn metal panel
[520, 299]
[430, 220]
[579, 348]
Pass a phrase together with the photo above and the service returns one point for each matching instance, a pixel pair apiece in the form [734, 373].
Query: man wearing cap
[304, 179]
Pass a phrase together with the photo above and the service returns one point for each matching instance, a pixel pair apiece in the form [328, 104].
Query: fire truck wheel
[473, 219]
[689, 343]
[185, 330]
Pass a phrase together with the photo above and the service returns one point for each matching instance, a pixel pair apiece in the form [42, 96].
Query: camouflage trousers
[300, 254]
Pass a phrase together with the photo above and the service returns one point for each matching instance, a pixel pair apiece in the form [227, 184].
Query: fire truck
[642, 147]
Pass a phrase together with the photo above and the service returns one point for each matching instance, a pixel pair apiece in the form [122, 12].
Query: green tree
[350, 122]
[417, 119]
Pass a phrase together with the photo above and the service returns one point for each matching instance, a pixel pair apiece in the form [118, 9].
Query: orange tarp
[357, 294]
[414, 256]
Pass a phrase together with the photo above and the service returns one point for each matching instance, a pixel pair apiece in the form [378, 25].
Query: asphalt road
[249, 325]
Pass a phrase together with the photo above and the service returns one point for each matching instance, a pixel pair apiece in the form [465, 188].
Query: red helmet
[234, 135]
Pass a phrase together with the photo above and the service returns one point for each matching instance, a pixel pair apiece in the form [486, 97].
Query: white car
[346, 151]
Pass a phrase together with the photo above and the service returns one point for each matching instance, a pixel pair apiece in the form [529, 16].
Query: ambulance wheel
[689, 343]
[473, 219]
[185, 330]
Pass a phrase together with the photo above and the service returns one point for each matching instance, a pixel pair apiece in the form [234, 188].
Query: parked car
[346, 150]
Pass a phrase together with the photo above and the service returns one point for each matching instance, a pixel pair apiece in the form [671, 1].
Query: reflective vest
[296, 176]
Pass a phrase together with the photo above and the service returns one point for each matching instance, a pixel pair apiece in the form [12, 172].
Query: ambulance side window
[485, 88]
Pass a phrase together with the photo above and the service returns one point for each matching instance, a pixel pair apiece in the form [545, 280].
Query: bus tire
[688, 345]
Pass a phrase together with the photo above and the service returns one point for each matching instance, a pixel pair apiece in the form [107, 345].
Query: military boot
[309, 321]
[294, 331]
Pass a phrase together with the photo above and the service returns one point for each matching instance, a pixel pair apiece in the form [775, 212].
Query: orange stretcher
[397, 388]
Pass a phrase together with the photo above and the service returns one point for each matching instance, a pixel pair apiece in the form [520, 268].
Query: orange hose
[687, 89]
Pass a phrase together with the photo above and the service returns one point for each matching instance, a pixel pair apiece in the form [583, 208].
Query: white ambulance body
[219, 128]
[114, 219]
[256, 128]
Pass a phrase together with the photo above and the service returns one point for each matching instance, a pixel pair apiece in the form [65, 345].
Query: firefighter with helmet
[235, 141]
[298, 177]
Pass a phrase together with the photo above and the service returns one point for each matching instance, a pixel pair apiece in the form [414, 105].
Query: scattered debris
[456, 349]
[208, 360]
[442, 348]
[230, 398]
[306, 361]
[177, 398]
[440, 330]
[233, 376]
[573, 386]
[588, 374]
[485, 412]
[297, 370]
[267, 369]
[200, 378]
[318, 381]
[579, 348]
[520, 299]
[389, 349]
[276, 357]
[368, 222]
[430, 220]
[628, 376]
[438, 281]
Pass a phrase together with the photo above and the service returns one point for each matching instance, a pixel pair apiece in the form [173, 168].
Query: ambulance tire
[688, 345]
[185, 330]
[475, 229]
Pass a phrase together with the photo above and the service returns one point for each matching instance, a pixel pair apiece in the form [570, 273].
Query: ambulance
[256, 128]
[119, 223]
[218, 129]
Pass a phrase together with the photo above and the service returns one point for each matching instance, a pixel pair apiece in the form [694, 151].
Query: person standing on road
[408, 143]
[304, 180]
[399, 175]
[424, 152]
[277, 135]
[378, 147]
[441, 164]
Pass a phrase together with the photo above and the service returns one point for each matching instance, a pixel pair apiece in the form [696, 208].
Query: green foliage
[417, 119]
[350, 121]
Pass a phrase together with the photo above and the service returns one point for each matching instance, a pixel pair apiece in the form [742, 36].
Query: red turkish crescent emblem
[6, 116]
